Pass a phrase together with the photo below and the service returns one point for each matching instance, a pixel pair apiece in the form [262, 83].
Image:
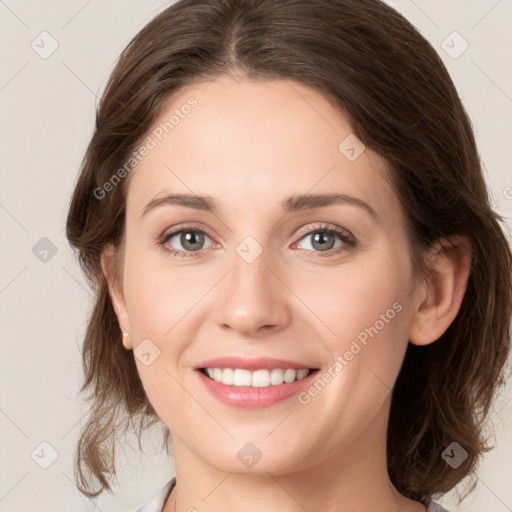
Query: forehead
[253, 142]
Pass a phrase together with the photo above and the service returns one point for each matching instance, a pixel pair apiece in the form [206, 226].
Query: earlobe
[439, 297]
[109, 268]
[127, 342]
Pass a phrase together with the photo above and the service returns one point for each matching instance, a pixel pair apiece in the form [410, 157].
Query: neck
[355, 478]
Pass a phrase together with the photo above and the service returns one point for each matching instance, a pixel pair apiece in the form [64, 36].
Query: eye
[191, 239]
[323, 240]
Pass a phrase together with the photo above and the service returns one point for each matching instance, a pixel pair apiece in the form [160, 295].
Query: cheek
[367, 312]
[158, 295]
[159, 304]
[351, 300]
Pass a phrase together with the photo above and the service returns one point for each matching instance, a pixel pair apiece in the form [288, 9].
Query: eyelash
[347, 239]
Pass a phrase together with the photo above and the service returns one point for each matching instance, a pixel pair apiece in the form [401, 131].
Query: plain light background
[47, 116]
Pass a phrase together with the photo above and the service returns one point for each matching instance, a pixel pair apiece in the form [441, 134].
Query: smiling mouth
[262, 378]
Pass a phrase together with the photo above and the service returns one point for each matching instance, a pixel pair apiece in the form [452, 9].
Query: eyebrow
[292, 204]
[309, 201]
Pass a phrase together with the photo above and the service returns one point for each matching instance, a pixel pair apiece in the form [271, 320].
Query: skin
[250, 145]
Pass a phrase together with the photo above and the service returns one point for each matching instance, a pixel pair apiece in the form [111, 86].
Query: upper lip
[258, 363]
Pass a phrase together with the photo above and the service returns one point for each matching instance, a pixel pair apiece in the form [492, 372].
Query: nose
[253, 299]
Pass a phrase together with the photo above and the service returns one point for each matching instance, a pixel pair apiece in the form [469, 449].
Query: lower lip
[249, 397]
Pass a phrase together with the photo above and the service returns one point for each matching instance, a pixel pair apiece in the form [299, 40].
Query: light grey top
[156, 503]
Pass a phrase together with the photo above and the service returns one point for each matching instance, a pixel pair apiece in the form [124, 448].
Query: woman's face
[319, 283]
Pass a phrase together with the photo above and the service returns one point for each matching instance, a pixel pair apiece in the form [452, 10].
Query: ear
[115, 287]
[439, 295]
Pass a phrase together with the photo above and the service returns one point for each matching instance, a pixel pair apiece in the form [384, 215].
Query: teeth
[240, 377]
[226, 376]
[302, 373]
[257, 378]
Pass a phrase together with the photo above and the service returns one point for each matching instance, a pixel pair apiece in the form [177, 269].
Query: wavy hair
[377, 68]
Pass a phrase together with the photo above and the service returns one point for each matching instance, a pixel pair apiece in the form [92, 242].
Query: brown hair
[376, 67]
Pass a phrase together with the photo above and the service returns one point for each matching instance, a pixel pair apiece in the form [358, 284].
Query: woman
[297, 268]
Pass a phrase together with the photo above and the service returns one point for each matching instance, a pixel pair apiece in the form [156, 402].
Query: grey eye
[190, 239]
[321, 240]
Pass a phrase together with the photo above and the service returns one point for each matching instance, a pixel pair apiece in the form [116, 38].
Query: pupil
[190, 238]
[321, 238]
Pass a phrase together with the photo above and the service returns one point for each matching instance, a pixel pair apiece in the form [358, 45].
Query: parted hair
[373, 65]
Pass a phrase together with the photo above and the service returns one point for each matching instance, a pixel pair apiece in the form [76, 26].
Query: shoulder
[434, 507]
[156, 503]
